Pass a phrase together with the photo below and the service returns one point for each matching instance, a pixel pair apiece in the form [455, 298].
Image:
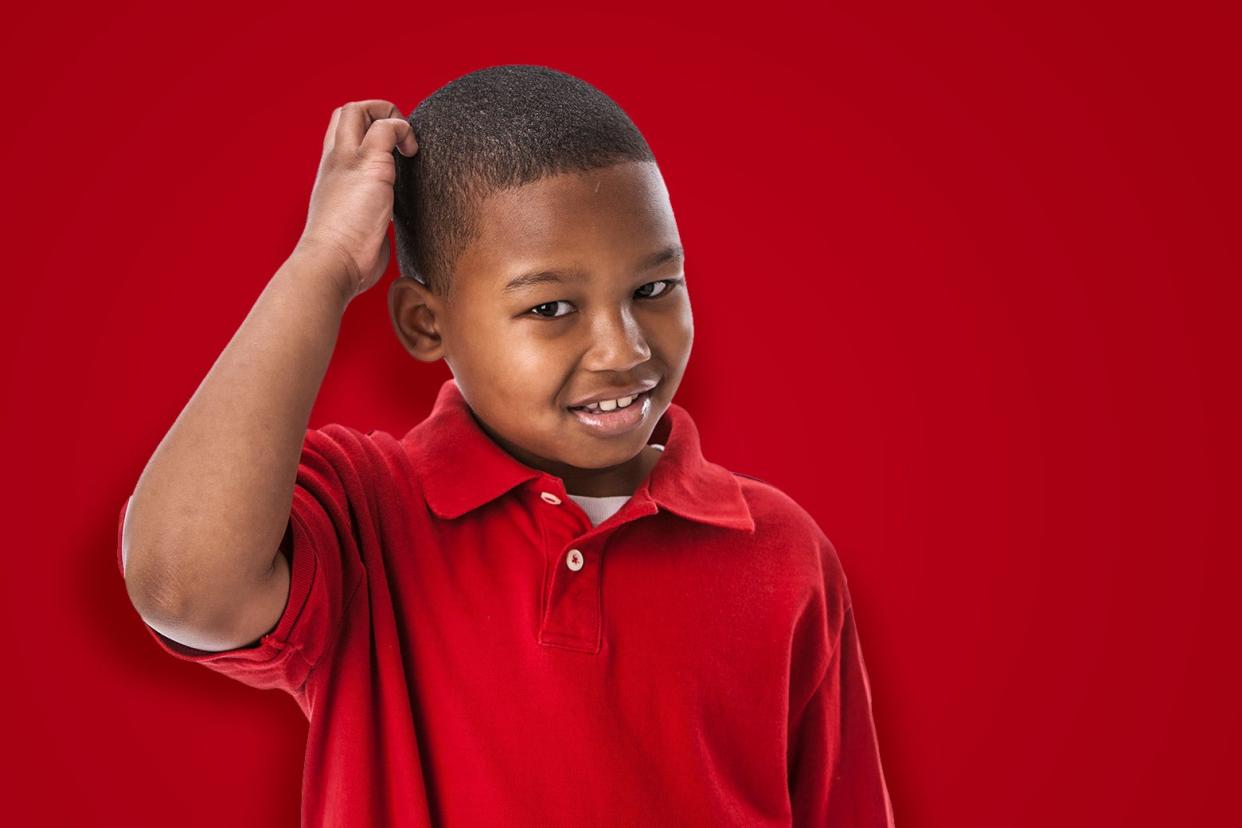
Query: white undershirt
[599, 509]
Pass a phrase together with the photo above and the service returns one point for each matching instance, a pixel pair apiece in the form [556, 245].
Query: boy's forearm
[209, 509]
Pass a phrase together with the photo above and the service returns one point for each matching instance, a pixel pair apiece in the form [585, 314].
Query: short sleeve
[835, 772]
[322, 540]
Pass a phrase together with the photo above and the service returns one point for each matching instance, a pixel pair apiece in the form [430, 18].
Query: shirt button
[574, 560]
[550, 498]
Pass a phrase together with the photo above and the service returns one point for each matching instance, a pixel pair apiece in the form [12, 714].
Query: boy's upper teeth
[609, 405]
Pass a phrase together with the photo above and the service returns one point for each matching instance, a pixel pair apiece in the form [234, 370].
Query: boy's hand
[351, 202]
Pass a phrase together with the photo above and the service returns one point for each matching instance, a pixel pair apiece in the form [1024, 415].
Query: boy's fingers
[329, 136]
[387, 133]
[356, 118]
[409, 144]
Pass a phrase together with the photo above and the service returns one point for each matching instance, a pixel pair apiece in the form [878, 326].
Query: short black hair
[491, 129]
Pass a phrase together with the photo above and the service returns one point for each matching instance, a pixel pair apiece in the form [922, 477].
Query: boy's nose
[617, 343]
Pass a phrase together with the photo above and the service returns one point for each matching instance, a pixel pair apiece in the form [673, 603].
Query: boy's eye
[553, 315]
[668, 285]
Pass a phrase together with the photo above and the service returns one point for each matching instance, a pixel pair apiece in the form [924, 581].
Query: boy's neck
[618, 481]
[615, 481]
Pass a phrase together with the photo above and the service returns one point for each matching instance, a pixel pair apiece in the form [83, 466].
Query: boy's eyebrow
[525, 280]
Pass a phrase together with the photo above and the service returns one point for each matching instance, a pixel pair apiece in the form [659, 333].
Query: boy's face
[523, 354]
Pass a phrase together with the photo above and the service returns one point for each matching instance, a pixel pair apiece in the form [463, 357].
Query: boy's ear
[413, 309]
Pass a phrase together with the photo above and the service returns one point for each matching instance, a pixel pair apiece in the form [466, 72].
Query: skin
[521, 359]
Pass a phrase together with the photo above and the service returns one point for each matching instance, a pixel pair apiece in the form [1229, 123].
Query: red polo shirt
[469, 649]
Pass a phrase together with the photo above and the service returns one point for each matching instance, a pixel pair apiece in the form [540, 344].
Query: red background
[963, 278]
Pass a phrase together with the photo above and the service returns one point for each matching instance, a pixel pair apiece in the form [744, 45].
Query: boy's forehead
[619, 211]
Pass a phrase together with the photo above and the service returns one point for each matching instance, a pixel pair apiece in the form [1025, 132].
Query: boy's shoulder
[371, 455]
[770, 500]
[773, 509]
[786, 529]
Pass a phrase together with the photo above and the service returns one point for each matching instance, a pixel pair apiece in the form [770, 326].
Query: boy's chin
[598, 458]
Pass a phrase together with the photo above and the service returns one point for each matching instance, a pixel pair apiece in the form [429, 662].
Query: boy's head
[527, 171]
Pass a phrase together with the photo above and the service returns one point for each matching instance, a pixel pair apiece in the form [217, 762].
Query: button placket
[571, 616]
[574, 587]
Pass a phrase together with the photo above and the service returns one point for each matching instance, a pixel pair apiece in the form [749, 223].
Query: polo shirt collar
[462, 468]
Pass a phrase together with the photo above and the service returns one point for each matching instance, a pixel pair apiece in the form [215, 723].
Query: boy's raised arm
[201, 532]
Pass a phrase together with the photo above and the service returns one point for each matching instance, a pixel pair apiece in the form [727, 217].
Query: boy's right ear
[414, 311]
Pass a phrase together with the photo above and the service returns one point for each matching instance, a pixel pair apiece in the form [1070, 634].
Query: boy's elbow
[221, 617]
[148, 594]
[154, 587]
[154, 595]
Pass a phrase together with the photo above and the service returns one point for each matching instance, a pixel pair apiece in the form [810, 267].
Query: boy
[542, 605]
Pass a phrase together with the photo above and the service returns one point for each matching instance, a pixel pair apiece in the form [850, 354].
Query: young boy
[542, 605]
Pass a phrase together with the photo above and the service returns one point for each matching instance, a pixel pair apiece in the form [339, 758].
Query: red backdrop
[963, 282]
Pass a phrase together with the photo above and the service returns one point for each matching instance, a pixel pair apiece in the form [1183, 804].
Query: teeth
[611, 405]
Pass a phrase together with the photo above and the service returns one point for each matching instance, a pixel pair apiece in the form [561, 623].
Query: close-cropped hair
[489, 130]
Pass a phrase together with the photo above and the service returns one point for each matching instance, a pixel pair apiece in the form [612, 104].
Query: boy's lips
[617, 421]
[613, 395]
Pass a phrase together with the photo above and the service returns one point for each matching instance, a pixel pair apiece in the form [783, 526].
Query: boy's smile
[572, 291]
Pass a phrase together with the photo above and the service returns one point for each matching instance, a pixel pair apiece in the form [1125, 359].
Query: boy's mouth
[611, 417]
[610, 406]
[615, 403]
